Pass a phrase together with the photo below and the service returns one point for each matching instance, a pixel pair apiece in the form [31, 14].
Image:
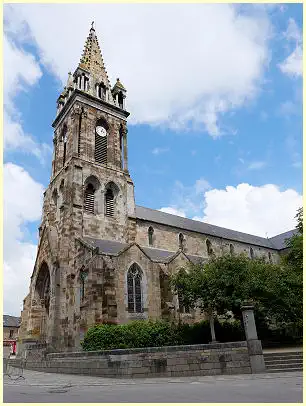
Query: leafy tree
[294, 256]
[225, 282]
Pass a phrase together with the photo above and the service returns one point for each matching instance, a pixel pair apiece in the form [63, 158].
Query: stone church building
[100, 257]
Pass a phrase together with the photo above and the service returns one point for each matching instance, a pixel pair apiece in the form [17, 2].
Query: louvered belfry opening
[101, 149]
[134, 277]
[109, 203]
[89, 199]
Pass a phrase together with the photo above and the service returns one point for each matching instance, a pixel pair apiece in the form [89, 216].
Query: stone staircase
[284, 361]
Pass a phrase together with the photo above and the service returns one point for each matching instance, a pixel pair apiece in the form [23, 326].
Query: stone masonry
[101, 258]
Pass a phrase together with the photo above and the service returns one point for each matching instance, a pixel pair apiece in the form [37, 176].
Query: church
[100, 257]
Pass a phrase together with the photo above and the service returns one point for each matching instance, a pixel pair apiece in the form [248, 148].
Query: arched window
[181, 241]
[101, 142]
[101, 91]
[270, 257]
[83, 277]
[109, 203]
[134, 288]
[232, 249]
[209, 248]
[42, 286]
[251, 253]
[150, 235]
[89, 199]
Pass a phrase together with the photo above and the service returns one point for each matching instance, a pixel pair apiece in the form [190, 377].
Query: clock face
[101, 131]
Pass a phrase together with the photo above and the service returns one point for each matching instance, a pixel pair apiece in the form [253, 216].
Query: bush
[140, 334]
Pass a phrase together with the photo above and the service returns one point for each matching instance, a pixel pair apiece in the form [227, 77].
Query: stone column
[254, 345]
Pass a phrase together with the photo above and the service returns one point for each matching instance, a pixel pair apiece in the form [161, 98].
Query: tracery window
[134, 288]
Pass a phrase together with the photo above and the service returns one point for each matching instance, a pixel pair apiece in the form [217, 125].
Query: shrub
[140, 334]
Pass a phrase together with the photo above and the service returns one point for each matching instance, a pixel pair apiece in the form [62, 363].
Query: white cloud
[258, 210]
[21, 71]
[22, 204]
[256, 165]
[293, 64]
[172, 210]
[203, 60]
[158, 151]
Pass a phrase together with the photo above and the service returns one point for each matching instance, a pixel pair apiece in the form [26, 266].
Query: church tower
[90, 198]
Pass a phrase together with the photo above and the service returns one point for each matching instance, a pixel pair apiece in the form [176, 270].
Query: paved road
[39, 387]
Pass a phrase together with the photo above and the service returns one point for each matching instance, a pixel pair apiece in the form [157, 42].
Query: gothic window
[101, 91]
[89, 198]
[251, 253]
[181, 241]
[209, 248]
[232, 250]
[150, 235]
[134, 288]
[101, 143]
[109, 203]
[42, 286]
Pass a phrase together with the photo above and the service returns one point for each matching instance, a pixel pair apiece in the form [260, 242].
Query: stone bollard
[254, 345]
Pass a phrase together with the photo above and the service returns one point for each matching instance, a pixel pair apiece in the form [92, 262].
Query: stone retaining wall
[203, 359]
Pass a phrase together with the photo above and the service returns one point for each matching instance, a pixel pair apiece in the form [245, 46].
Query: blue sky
[216, 113]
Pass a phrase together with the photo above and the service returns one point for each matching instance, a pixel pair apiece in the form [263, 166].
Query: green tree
[294, 257]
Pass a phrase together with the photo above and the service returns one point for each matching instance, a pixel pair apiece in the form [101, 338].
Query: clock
[101, 131]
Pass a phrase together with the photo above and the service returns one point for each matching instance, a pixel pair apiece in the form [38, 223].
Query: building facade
[100, 257]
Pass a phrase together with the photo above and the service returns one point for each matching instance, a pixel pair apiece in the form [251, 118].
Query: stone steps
[284, 361]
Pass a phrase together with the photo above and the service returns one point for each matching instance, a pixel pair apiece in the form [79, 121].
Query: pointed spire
[92, 60]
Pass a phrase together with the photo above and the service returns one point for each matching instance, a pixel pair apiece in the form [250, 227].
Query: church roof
[109, 247]
[156, 216]
[279, 241]
[91, 59]
[11, 321]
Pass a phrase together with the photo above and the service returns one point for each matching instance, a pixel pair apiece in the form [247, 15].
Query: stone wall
[203, 359]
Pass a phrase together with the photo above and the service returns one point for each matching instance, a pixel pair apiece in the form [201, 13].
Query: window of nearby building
[150, 235]
[11, 333]
[134, 288]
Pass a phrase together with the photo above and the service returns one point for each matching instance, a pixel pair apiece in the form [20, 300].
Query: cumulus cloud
[21, 71]
[181, 75]
[158, 151]
[293, 64]
[22, 205]
[259, 210]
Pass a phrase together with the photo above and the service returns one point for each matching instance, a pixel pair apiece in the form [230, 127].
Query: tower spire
[92, 60]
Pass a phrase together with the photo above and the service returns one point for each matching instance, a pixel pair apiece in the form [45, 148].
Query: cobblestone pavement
[45, 387]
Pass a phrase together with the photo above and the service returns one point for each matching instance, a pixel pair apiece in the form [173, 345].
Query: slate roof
[106, 246]
[279, 241]
[109, 247]
[11, 321]
[156, 216]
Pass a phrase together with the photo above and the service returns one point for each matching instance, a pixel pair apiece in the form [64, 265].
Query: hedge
[140, 334]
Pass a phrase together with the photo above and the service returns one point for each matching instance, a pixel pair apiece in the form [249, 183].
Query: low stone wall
[203, 359]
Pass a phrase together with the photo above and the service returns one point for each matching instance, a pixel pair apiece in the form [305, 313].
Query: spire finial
[92, 25]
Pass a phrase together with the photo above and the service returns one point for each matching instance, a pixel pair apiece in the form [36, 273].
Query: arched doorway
[42, 292]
